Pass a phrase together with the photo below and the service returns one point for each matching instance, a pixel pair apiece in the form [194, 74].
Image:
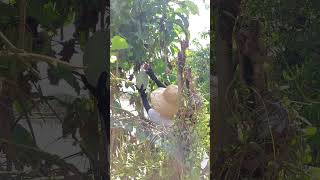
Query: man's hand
[151, 74]
[142, 91]
[147, 68]
[143, 95]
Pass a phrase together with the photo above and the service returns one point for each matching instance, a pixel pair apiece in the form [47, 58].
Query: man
[164, 101]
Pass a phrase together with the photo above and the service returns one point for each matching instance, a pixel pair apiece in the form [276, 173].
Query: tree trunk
[223, 132]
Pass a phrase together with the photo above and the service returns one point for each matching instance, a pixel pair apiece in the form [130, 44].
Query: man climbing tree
[163, 99]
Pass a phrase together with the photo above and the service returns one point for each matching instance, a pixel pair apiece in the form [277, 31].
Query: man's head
[165, 101]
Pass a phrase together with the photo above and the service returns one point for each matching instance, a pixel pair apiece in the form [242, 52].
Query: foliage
[22, 47]
[150, 31]
[290, 31]
[295, 38]
[199, 60]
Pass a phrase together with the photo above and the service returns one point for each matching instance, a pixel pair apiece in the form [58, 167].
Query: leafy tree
[287, 30]
[151, 31]
[28, 31]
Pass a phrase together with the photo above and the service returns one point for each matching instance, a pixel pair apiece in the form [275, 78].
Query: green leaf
[117, 106]
[284, 87]
[70, 79]
[22, 136]
[17, 106]
[287, 77]
[315, 172]
[182, 10]
[192, 6]
[56, 74]
[125, 65]
[142, 79]
[118, 43]
[82, 39]
[310, 131]
[183, 22]
[159, 67]
[172, 78]
[69, 18]
[45, 13]
[96, 56]
[307, 158]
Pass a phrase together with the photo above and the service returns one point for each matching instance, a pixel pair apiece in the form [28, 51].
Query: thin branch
[38, 88]
[39, 57]
[47, 59]
[12, 172]
[49, 178]
[54, 159]
[30, 125]
[72, 155]
[9, 44]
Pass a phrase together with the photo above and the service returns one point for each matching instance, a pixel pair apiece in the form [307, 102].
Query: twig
[54, 159]
[48, 59]
[38, 88]
[269, 126]
[14, 172]
[72, 155]
[17, 120]
[22, 53]
[49, 178]
[8, 43]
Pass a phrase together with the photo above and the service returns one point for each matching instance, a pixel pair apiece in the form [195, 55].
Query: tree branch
[37, 57]
[54, 159]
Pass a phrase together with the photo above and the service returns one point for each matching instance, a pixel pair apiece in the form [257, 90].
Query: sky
[200, 23]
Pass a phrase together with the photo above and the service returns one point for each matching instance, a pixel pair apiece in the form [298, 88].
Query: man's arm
[153, 115]
[152, 76]
[143, 95]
